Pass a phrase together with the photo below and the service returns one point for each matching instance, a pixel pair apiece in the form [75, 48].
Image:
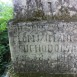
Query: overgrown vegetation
[6, 13]
[4, 51]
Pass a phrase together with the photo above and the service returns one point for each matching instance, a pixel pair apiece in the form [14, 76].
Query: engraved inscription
[50, 47]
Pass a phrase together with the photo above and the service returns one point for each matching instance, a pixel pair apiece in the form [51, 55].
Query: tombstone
[43, 47]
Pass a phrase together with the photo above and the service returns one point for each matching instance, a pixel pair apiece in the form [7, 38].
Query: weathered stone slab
[26, 9]
[44, 47]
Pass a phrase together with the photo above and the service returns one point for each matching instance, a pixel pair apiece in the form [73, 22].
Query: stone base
[42, 75]
[12, 73]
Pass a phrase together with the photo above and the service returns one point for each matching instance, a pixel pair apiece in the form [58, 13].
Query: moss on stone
[40, 16]
[14, 74]
[42, 75]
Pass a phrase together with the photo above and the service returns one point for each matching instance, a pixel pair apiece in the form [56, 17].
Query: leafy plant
[6, 13]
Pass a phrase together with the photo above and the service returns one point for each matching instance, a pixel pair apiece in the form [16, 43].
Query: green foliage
[6, 13]
[4, 50]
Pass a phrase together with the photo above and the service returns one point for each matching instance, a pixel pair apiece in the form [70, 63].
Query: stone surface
[46, 47]
[24, 8]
